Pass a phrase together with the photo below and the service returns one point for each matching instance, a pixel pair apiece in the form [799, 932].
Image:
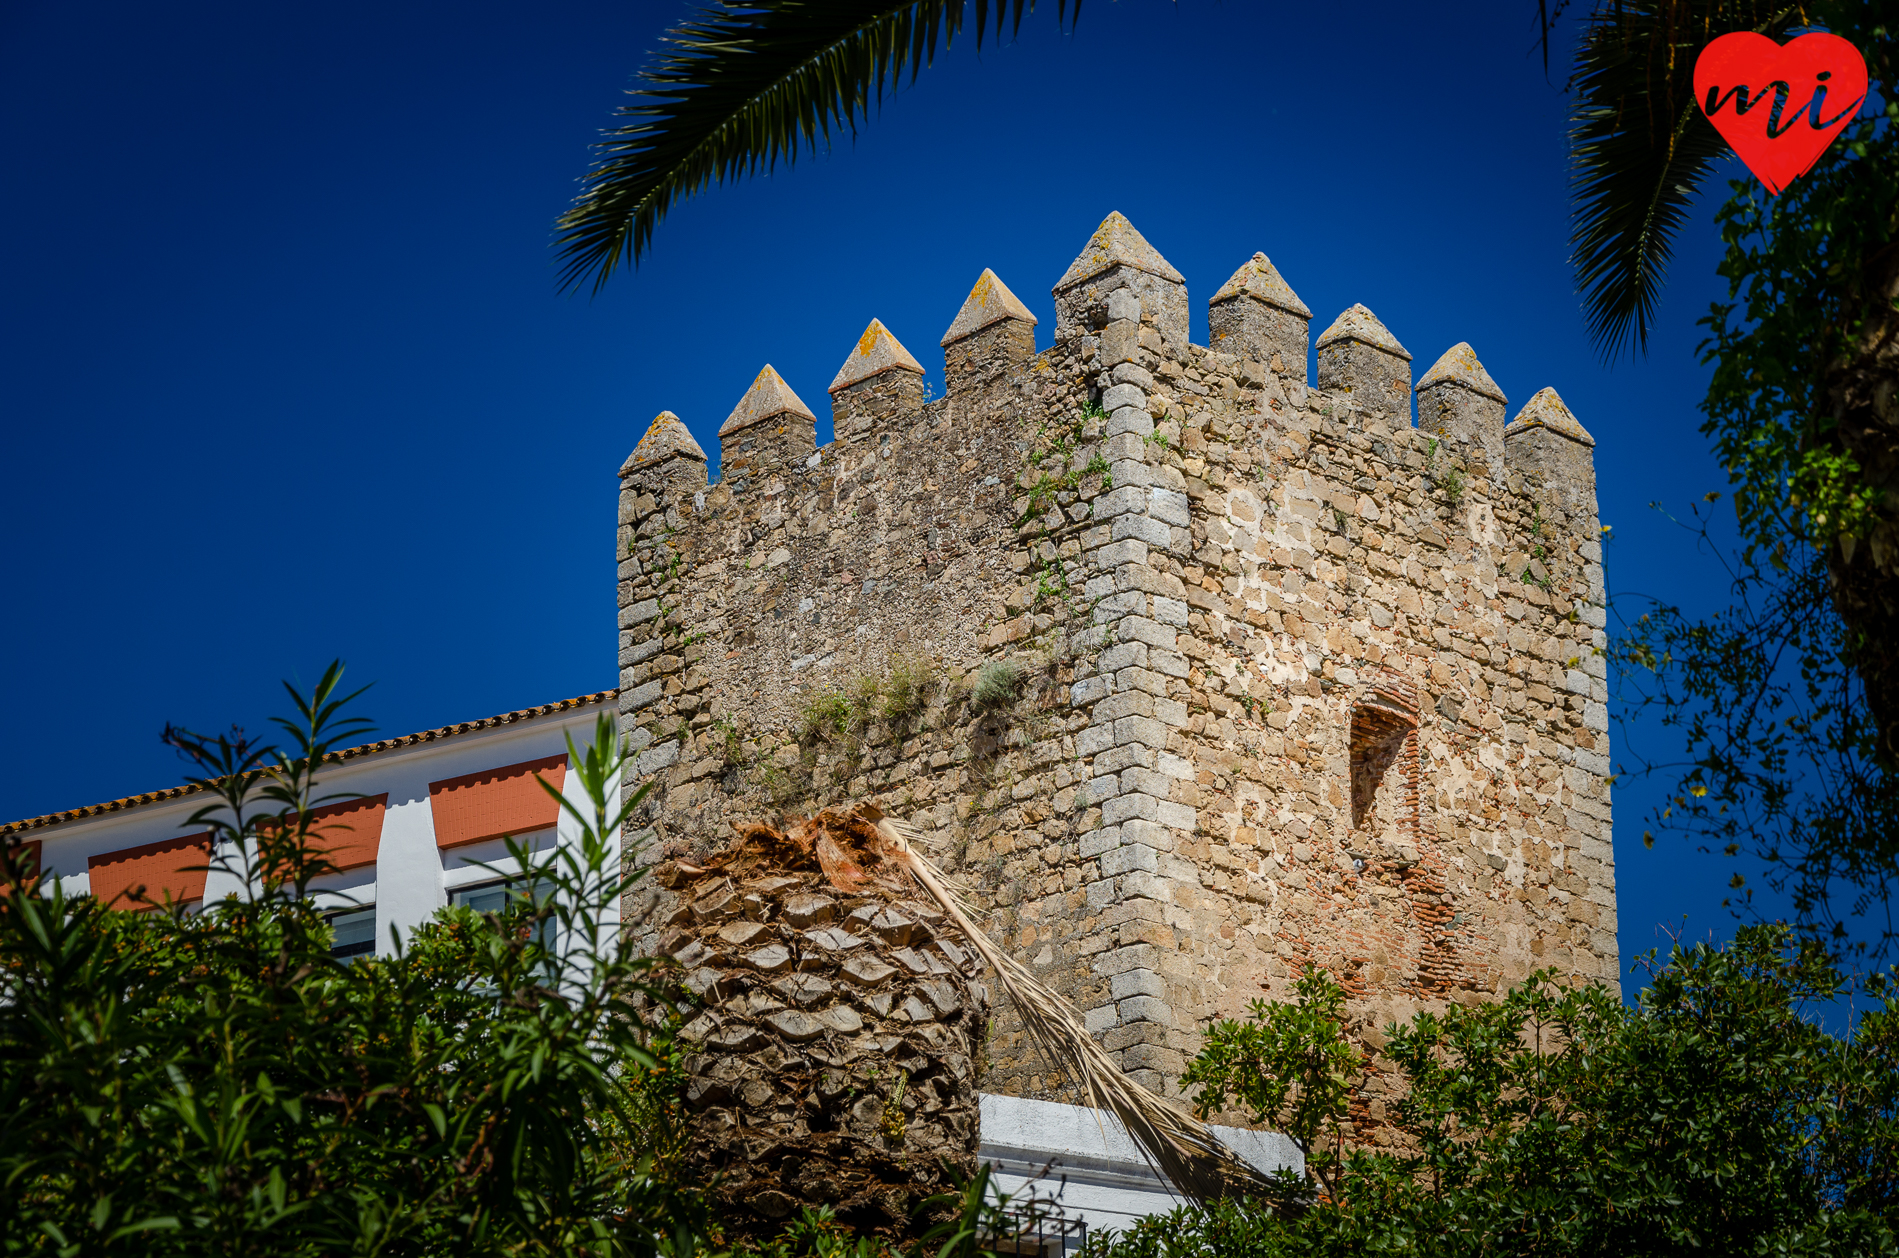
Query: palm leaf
[1178, 1146]
[745, 84]
[1640, 149]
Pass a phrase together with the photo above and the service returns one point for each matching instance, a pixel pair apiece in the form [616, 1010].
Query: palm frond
[745, 84]
[1178, 1146]
[1640, 149]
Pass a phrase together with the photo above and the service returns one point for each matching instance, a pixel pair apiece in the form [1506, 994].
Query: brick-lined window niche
[1384, 738]
[494, 802]
[348, 834]
[146, 876]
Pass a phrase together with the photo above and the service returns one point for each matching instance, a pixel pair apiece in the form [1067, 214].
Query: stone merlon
[1259, 279]
[768, 396]
[1361, 325]
[1459, 365]
[666, 438]
[1118, 259]
[1116, 243]
[876, 352]
[990, 301]
[1546, 410]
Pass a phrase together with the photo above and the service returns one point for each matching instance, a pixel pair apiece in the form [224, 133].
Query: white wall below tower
[1083, 1163]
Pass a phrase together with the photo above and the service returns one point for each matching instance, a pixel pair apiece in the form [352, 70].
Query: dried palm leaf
[1179, 1147]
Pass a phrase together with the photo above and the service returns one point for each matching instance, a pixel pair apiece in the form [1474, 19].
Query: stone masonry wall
[1197, 673]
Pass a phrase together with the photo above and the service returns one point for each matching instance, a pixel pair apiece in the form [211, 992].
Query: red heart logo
[1779, 105]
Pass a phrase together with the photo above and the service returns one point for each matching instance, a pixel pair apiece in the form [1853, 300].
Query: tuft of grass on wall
[997, 685]
[824, 718]
[909, 688]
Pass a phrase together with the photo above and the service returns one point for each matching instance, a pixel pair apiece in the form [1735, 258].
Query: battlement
[1198, 670]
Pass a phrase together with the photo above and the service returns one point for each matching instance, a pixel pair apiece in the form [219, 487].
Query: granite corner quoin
[1196, 672]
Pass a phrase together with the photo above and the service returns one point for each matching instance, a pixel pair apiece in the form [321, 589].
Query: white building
[425, 831]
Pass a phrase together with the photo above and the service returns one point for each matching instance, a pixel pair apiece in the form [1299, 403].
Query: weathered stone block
[1129, 858]
[1170, 611]
[1120, 499]
[1169, 507]
[1137, 983]
[1146, 1009]
[1128, 756]
[1141, 629]
[1125, 703]
[1153, 532]
[1141, 729]
[1109, 557]
[1128, 807]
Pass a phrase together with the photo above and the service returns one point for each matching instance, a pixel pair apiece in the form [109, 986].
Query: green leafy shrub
[728, 741]
[218, 1083]
[866, 700]
[1290, 1066]
[1715, 1116]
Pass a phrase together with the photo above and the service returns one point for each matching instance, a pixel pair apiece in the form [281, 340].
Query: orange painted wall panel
[30, 848]
[350, 833]
[487, 805]
[158, 869]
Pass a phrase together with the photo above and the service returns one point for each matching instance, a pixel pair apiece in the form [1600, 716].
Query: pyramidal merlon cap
[1258, 279]
[768, 396]
[875, 353]
[1116, 243]
[665, 437]
[989, 302]
[1459, 365]
[1546, 410]
[1361, 325]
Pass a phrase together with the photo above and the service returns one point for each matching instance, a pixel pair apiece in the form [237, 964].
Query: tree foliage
[1715, 1116]
[1788, 700]
[1777, 759]
[1640, 148]
[1289, 1065]
[218, 1083]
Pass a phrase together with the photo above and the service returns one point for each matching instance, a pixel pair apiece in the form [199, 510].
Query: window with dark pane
[355, 934]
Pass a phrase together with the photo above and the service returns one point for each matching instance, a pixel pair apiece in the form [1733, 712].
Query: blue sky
[286, 376]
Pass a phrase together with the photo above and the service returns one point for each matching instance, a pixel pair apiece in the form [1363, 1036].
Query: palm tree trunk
[838, 1033]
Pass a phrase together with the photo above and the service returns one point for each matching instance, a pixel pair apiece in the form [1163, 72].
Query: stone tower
[1198, 672]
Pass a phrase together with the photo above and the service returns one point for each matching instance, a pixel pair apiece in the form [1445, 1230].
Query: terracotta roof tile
[349, 753]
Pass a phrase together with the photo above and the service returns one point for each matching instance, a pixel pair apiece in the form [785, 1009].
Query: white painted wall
[1082, 1162]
